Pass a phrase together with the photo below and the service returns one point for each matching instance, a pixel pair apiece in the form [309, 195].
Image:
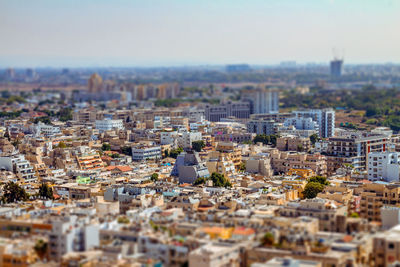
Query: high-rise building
[384, 166]
[95, 83]
[262, 100]
[30, 73]
[354, 150]
[336, 67]
[10, 74]
[324, 117]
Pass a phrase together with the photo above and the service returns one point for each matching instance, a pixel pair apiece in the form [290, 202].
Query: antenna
[337, 55]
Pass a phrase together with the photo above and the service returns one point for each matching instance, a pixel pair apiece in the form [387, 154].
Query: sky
[87, 33]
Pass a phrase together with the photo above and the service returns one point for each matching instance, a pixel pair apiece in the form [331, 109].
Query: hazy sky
[178, 32]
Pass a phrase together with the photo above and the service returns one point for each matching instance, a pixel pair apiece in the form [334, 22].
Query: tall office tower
[324, 117]
[95, 83]
[336, 67]
[262, 100]
[30, 73]
[10, 74]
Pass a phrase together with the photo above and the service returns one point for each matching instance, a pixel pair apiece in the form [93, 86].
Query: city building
[353, 149]
[146, 153]
[325, 118]
[336, 68]
[95, 83]
[228, 109]
[70, 234]
[188, 167]
[328, 213]
[260, 126]
[386, 247]
[108, 125]
[384, 166]
[293, 143]
[262, 100]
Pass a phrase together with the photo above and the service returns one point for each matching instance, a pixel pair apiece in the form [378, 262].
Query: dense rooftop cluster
[122, 182]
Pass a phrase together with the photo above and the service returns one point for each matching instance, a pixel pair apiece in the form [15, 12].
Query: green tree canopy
[200, 180]
[45, 191]
[319, 179]
[312, 189]
[219, 180]
[198, 145]
[106, 147]
[268, 239]
[314, 138]
[13, 192]
[154, 177]
[175, 152]
[41, 248]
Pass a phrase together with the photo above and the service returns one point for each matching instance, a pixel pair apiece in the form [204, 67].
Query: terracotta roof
[243, 231]
[120, 168]
[347, 238]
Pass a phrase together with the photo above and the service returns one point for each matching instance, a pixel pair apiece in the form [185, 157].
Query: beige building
[386, 247]
[329, 213]
[259, 164]
[217, 254]
[293, 143]
[283, 162]
[374, 196]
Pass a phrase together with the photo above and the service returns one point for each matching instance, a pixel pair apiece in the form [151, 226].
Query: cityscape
[231, 161]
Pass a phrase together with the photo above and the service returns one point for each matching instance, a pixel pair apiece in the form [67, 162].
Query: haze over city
[174, 33]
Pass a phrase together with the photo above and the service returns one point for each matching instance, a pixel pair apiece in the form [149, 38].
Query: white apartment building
[107, 125]
[168, 137]
[384, 166]
[19, 165]
[187, 138]
[262, 100]
[69, 234]
[146, 153]
[42, 129]
[302, 123]
[325, 118]
[216, 254]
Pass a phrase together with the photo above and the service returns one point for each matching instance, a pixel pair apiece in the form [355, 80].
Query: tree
[314, 138]
[354, 215]
[65, 114]
[312, 189]
[200, 180]
[45, 120]
[154, 177]
[198, 145]
[300, 148]
[319, 179]
[175, 152]
[62, 145]
[126, 150]
[123, 220]
[266, 139]
[268, 239]
[219, 180]
[262, 138]
[106, 147]
[41, 248]
[46, 191]
[13, 192]
[242, 166]
[115, 156]
[166, 153]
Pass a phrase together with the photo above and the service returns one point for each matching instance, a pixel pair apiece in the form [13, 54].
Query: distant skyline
[129, 33]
